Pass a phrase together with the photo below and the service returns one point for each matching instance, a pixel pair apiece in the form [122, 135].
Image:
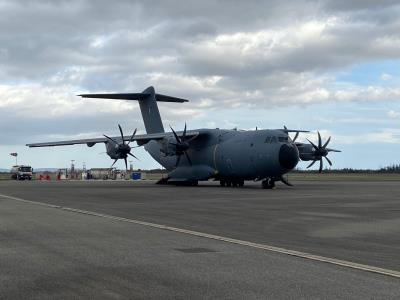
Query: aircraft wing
[140, 139]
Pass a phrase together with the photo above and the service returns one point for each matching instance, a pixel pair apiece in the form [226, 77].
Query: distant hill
[45, 169]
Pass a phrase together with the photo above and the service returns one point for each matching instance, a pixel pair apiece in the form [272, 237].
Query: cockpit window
[271, 139]
[283, 139]
[274, 139]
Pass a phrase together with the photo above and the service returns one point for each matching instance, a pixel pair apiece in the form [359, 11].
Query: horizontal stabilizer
[165, 98]
[134, 96]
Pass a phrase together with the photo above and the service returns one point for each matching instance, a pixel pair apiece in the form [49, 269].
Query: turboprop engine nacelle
[119, 149]
[316, 152]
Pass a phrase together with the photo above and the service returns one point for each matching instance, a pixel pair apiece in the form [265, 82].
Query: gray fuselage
[229, 154]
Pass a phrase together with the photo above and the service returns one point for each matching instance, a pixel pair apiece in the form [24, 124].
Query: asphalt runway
[51, 251]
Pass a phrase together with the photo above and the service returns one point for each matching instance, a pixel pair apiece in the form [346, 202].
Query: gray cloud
[217, 53]
[43, 37]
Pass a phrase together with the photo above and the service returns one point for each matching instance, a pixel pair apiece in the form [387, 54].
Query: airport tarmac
[89, 241]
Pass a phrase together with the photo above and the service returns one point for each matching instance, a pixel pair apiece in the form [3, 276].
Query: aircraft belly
[191, 173]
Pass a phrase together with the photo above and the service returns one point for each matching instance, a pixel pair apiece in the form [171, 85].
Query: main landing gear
[232, 182]
[268, 183]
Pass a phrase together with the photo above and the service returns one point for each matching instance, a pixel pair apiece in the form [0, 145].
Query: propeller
[321, 151]
[181, 146]
[122, 149]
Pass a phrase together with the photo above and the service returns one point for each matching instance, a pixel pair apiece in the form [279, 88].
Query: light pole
[130, 165]
[15, 154]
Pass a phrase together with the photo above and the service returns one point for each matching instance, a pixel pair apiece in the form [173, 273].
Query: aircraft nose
[288, 156]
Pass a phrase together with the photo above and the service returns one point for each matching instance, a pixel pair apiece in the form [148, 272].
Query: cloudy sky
[331, 66]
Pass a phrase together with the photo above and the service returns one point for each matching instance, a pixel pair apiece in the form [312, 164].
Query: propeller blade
[328, 160]
[176, 136]
[321, 165]
[178, 159]
[122, 134]
[114, 163]
[107, 137]
[188, 158]
[191, 139]
[314, 146]
[284, 180]
[310, 165]
[133, 155]
[319, 140]
[296, 136]
[126, 163]
[184, 133]
[326, 143]
[332, 150]
[133, 135]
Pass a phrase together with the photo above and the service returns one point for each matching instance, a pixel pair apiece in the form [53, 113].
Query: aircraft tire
[229, 183]
[268, 184]
[222, 182]
[272, 183]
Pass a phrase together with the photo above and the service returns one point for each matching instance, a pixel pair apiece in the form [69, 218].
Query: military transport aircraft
[189, 156]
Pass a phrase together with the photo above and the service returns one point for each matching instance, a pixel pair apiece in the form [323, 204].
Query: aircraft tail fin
[148, 105]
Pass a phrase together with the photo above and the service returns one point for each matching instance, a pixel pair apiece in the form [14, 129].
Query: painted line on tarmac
[294, 253]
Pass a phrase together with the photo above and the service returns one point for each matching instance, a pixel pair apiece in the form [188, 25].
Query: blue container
[136, 175]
